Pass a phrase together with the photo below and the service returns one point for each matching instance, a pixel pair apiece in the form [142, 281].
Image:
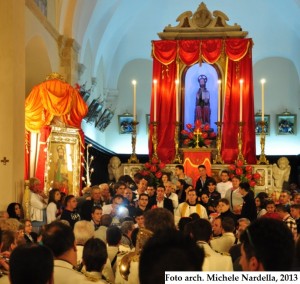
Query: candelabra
[87, 161]
[218, 157]
[177, 159]
[133, 158]
[154, 140]
[262, 158]
[240, 143]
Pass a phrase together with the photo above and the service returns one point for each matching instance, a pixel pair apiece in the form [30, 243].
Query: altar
[192, 158]
[264, 184]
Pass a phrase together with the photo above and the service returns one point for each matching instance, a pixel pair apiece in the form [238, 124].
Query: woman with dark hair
[14, 210]
[260, 203]
[53, 207]
[94, 257]
[181, 190]
[165, 177]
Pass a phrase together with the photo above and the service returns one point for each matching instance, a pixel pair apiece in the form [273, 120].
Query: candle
[154, 99]
[176, 94]
[134, 99]
[241, 100]
[219, 100]
[262, 81]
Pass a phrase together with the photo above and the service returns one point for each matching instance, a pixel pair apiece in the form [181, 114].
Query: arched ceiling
[119, 31]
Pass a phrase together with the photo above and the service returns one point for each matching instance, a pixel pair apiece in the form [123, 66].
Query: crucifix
[4, 161]
[197, 133]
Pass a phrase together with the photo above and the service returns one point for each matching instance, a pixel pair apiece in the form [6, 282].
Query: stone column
[12, 97]
[68, 53]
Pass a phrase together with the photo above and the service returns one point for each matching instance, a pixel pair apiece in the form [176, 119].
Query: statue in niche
[114, 168]
[281, 172]
[202, 106]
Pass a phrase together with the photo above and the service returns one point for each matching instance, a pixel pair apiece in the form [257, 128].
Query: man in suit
[203, 181]
[161, 200]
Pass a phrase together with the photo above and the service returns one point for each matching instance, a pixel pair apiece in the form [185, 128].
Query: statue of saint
[202, 106]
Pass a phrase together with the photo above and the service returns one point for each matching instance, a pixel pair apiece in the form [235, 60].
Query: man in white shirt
[234, 196]
[170, 194]
[60, 239]
[227, 240]
[201, 232]
[116, 210]
[38, 204]
[225, 183]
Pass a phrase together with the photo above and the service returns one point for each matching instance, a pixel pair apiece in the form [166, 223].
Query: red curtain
[238, 54]
[239, 67]
[41, 163]
[164, 71]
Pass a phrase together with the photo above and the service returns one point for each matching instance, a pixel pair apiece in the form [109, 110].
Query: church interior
[86, 69]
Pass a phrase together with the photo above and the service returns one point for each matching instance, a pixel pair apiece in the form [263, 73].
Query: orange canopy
[54, 98]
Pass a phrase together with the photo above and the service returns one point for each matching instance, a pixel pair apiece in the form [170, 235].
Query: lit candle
[134, 99]
[154, 99]
[262, 81]
[219, 100]
[177, 107]
[241, 100]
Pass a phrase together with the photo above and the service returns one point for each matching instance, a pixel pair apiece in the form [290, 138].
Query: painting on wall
[125, 123]
[258, 124]
[286, 124]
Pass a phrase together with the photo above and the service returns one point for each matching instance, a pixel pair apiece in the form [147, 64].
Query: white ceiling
[118, 31]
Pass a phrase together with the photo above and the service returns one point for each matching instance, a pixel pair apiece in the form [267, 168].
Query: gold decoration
[262, 158]
[124, 265]
[154, 140]
[218, 157]
[202, 24]
[177, 159]
[240, 144]
[55, 75]
[133, 158]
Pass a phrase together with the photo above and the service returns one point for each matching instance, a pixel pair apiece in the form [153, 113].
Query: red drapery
[166, 53]
[41, 163]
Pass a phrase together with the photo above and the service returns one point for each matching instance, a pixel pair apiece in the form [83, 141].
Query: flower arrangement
[203, 131]
[245, 172]
[153, 170]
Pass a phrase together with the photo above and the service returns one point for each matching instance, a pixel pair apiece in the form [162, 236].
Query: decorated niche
[203, 41]
[54, 140]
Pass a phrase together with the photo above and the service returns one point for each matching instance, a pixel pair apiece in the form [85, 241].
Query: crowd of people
[132, 231]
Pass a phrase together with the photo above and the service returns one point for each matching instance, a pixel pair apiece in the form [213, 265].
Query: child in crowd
[271, 210]
[225, 183]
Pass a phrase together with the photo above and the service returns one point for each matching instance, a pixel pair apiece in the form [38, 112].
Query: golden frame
[63, 163]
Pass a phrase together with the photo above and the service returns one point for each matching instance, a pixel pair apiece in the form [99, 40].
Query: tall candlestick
[241, 100]
[262, 81]
[177, 107]
[154, 99]
[134, 99]
[219, 100]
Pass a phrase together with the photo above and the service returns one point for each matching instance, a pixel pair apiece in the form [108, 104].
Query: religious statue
[114, 168]
[281, 172]
[202, 107]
